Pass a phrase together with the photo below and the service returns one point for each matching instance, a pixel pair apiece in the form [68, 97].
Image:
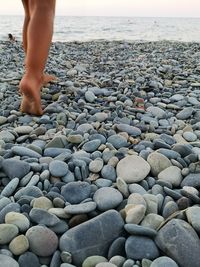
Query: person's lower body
[37, 36]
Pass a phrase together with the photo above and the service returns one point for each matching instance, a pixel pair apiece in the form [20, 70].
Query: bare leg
[46, 77]
[39, 36]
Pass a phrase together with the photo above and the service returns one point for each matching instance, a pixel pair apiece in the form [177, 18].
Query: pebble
[18, 219]
[42, 241]
[6, 261]
[127, 171]
[7, 233]
[15, 168]
[164, 262]
[172, 175]
[19, 245]
[58, 168]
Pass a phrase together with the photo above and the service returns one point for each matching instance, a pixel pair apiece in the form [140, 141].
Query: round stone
[58, 168]
[6, 261]
[18, 219]
[23, 129]
[42, 203]
[140, 247]
[7, 233]
[96, 165]
[190, 136]
[42, 241]
[171, 175]
[19, 245]
[92, 261]
[158, 162]
[133, 169]
[164, 262]
[107, 198]
[29, 259]
[134, 213]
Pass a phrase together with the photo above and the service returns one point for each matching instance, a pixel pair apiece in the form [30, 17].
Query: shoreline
[111, 169]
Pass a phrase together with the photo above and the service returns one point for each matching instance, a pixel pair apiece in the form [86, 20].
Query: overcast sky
[140, 8]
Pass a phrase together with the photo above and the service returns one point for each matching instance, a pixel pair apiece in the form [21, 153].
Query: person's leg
[39, 36]
[26, 23]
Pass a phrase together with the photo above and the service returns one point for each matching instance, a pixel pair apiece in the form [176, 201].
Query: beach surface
[110, 174]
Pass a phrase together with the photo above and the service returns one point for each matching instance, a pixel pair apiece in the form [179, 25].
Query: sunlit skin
[37, 36]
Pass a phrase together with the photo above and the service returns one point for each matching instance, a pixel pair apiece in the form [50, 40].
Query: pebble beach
[109, 175]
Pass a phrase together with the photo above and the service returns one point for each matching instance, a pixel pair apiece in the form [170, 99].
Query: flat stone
[42, 241]
[18, 219]
[164, 262]
[171, 175]
[23, 129]
[24, 151]
[92, 237]
[134, 229]
[152, 221]
[10, 187]
[131, 130]
[92, 145]
[134, 213]
[15, 168]
[8, 208]
[31, 191]
[178, 240]
[75, 192]
[109, 172]
[42, 203]
[6, 136]
[139, 247]
[107, 198]
[133, 169]
[191, 179]
[6, 261]
[58, 168]
[117, 141]
[81, 208]
[96, 165]
[117, 247]
[7, 233]
[41, 216]
[193, 217]
[185, 113]
[158, 163]
[75, 138]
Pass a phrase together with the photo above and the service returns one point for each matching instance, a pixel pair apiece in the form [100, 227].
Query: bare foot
[30, 88]
[48, 78]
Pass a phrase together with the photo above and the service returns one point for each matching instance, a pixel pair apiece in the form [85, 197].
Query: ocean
[112, 28]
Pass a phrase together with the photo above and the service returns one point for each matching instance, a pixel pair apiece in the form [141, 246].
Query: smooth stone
[126, 169]
[107, 198]
[41, 216]
[6, 261]
[18, 219]
[171, 175]
[105, 264]
[19, 245]
[134, 213]
[58, 168]
[134, 229]
[42, 241]
[42, 203]
[31, 191]
[96, 165]
[183, 149]
[24, 151]
[163, 262]
[15, 168]
[75, 192]
[180, 242]
[157, 112]
[191, 179]
[193, 217]
[122, 187]
[59, 212]
[23, 129]
[109, 172]
[8, 208]
[152, 203]
[92, 237]
[136, 188]
[189, 136]
[139, 247]
[4, 201]
[85, 127]
[152, 221]
[10, 187]
[7, 233]
[92, 261]
[117, 247]
[158, 163]
[75, 138]
[101, 116]
[169, 208]
[185, 113]
[81, 208]
[6, 136]
[117, 260]
[117, 141]
[90, 96]
[92, 145]
[136, 199]
[29, 259]
[131, 130]
[170, 154]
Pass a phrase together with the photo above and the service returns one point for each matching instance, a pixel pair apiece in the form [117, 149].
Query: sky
[134, 8]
